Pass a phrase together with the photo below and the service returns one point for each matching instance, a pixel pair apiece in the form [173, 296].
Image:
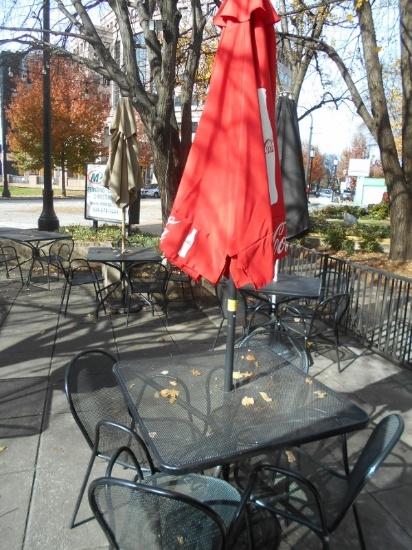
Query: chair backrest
[332, 309]
[282, 343]
[148, 277]
[222, 292]
[138, 515]
[333, 282]
[93, 393]
[380, 443]
[61, 252]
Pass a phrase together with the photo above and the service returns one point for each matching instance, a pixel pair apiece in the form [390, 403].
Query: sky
[332, 131]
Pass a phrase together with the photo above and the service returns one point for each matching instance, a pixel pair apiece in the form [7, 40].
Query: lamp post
[48, 220]
[309, 149]
[312, 156]
[5, 98]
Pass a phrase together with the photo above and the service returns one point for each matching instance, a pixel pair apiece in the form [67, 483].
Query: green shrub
[348, 246]
[379, 211]
[335, 236]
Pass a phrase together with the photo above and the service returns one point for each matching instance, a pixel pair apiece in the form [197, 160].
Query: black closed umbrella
[293, 172]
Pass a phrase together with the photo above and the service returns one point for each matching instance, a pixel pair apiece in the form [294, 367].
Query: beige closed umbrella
[123, 174]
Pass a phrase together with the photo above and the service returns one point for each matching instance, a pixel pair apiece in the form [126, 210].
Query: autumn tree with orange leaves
[79, 110]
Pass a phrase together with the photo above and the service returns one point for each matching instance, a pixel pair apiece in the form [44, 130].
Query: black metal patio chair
[78, 272]
[281, 342]
[145, 280]
[99, 409]
[321, 321]
[59, 253]
[11, 261]
[304, 490]
[162, 511]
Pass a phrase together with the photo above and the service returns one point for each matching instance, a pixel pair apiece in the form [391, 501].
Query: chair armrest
[297, 488]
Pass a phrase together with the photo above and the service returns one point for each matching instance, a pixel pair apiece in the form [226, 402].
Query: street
[25, 212]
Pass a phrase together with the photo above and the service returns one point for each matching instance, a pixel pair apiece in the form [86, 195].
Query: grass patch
[38, 193]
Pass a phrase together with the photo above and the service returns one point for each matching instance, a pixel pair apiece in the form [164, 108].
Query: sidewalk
[43, 454]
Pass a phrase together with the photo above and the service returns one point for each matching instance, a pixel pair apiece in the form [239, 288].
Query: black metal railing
[380, 311]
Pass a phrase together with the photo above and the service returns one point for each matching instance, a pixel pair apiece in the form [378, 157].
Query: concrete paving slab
[15, 493]
[19, 439]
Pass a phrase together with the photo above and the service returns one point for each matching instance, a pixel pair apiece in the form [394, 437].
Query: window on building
[141, 56]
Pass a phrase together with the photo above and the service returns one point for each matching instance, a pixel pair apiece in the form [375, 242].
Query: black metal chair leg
[83, 488]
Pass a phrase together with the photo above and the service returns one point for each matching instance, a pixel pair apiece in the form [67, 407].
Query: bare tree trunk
[398, 189]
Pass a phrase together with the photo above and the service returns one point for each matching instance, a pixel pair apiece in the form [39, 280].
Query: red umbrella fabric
[228, 218]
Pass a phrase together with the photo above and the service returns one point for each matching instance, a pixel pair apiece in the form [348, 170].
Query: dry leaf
[237, 375]
[321, 394]
[257, 364]
[161, 339]
[250, 357]
[309, 380]
[180, 539]
[265, 396]
[173, 383]
[164, 372]
[171, 395]
[291, 457]
[195, 372]
[248, 401]
[2, 449]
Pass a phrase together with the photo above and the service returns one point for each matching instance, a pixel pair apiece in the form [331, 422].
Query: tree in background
[359, 46]
[79, 110]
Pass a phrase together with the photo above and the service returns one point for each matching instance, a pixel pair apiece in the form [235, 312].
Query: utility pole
[48, 220]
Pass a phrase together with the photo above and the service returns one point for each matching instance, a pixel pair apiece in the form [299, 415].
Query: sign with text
[98, 200]
[359, 167]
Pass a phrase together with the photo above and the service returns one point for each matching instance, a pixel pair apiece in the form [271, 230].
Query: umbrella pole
[230, 338]
[123, 229]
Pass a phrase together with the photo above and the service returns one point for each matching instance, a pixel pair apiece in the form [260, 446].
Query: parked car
[325, 193]
[347, 195]
[150, 192]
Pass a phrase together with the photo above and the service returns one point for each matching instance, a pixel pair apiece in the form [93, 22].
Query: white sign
[359, 167]
[99, 205]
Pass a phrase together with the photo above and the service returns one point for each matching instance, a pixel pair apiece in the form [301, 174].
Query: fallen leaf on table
[237, 375]
[195, 372]
[164, 372]
[250, 357]
[291, 457]
[161, 339]
[173, 383]
[265, 396]
[321, 394]
[2, 449]
[248, 401]
[171, 395]
[309, 380]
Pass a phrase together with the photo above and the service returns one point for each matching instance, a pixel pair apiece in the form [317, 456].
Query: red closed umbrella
[228, 218]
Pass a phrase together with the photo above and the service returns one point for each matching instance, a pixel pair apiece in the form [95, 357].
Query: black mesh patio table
[189, 423]
[33, 239]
